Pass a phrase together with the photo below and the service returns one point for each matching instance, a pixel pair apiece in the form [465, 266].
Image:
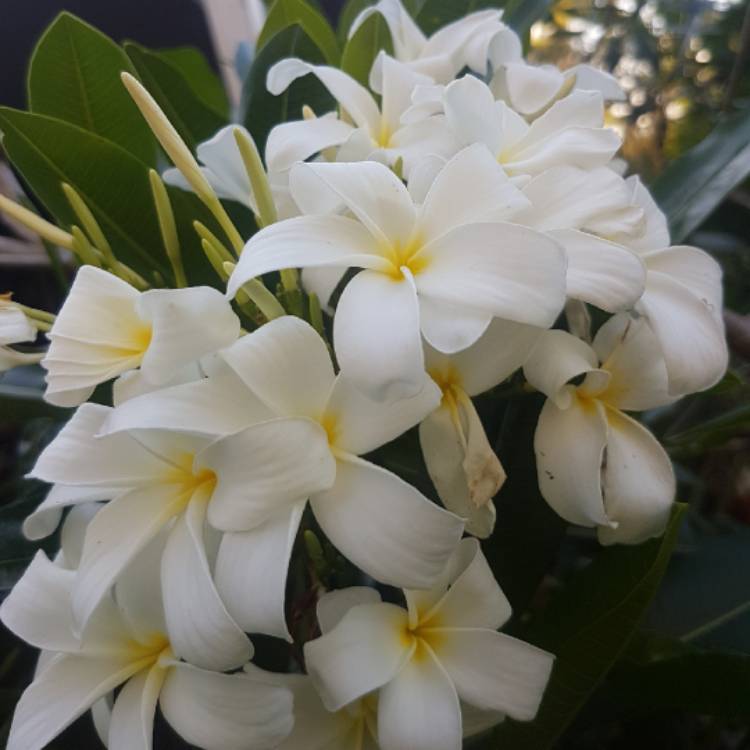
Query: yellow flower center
[407, 255]
[188, 481]
[424, 638]
[151, 651]
[330, 423]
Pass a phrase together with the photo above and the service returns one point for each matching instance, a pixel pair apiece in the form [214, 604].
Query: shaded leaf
[74, 75]
[192, 116]
[362, 49]
[21, 403]
[204, 81]
[286, 13]
[521, 15]
[350, 11]
[262, 110]
[696, 183]
[587, 626]
[434, 14]
[713, 432]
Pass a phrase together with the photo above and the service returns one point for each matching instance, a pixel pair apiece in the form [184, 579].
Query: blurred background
[685, 65]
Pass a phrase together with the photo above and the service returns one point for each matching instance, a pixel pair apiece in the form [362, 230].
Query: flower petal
[200, 629]
[450, 327]
[362, 653]
[295, 141]
[493, 671]
[287, 365]
[225, 168]
[65, 689]
[45, 519]
[362, 424]
[419, 708]
[471, 187]
[507, 270]
[265, 469]
[385, 526]
[131, 725]
[251, 573]
[639, 483]
[607, 275]
[225, 711]
[376, 336]
[306, 242]
[333, 605]
[569, 446]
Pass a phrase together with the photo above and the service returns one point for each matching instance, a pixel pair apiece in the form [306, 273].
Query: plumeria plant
[338, 373]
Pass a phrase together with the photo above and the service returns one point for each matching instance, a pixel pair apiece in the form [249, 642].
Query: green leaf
[696, 183]
[521, 15]
[713, 432]
[262, 110]
[346, 18]
[203, 80]
[19, 403]
[286, 13]
[114, 185]
[432, 15]
[362, 49]
[528, 532]
[74, 76]
[193, 118]
[587, 627]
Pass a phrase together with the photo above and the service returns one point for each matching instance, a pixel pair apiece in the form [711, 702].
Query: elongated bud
[167, 227]
[259, 296]
[180, 155]
[90, 224]
[206, 234]
[258, 177]
[215, 259]
[83, 249]
[36, 223]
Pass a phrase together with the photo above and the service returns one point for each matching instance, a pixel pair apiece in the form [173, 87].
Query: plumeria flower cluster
[460, 221]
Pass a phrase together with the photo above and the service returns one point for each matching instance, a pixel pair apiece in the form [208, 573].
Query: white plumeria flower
[106, 327]
[597, 466]
[445, 648]
[15, 328]
[379, 522]
[588, 212]
[287, 144]
[444, 267]
[531, 89]
[683, 300]
[128, 645]
[461, 463]
[468, 42]
[570, 133]
[170, 481]
[377, 132]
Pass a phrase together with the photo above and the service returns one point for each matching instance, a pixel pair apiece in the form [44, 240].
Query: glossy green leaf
[286, 13]
[349, 12]
[262, 110]
[74, 76]
[434, 14]
[112, 182]
[362, 49]
[204, 82]
[193, 118]
[587, 626]
[696, 183]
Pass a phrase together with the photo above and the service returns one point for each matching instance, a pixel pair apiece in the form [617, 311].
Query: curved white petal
[371, 191]
[530, 87]
[507, 270]
[37, 608]
[589, 78]
[66, 688]
[354, 98]
[493, 671]
[557, 358]
[385, 526]
[444, 456]
[266, 469]
[291, 142]
[362, 424]
[306, 241]
[225, 168]
[639, 483]
[287, 365]
[333, 605]
[225, 711]
[691, 338]
[186, 325]
[471, 187]
[607, 275]
[251, 572]
[376, 336]
[362, 653]
[656, 230]
[450, 327]
[131, 725]
[200, 629]
[569, 446]
[419, 708]
[116, 534]
[322, 282]
[45, 519]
